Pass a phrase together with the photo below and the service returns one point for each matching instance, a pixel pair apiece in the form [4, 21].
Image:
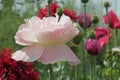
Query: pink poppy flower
[45, 40]
[102, 35]
[93, 46]
[114, 21]
[80, 19]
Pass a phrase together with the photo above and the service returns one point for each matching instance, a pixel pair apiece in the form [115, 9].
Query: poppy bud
[49, 1]
[84, 1]
[78, 38]
[91, 35]
[59, 12]
[106, 4]
[95, 19]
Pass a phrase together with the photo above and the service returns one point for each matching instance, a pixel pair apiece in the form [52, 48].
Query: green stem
[51, 72]
[94, 69]
[84, 62]
[76, 72]
[50, 65]
[72, 73]
[91, 59]
[84, 15]
[84, 52]
[108, 28]
[115, 37]
[108, 44]
[48, 9]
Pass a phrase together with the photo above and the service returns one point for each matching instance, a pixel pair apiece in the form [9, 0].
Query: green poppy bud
[59, 12]
[95, 19]
[84, 1]
[106, 4]
[49, 1]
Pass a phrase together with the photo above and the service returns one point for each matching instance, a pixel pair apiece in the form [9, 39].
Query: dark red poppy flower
[44, 12]
[80, 20]
[114, 21]
[93, 46]
[70, 13]
[53, 8]
[103, 34]
[15, 70]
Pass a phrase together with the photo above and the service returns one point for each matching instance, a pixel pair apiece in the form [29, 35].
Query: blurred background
[13, 13]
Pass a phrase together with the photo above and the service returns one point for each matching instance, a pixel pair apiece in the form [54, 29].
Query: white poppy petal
[28, 54]
[57, 53]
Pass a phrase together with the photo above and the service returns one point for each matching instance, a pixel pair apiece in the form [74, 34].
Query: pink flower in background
[45, 40]
[102, 35]
[80, 20]
[93, 46]
[114, 21]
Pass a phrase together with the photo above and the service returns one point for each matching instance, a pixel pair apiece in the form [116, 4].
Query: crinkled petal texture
[113, 19]
[93, 46]
[28, 54]
[102, 35]
[46, 30]
[42, 35]
[58, 53]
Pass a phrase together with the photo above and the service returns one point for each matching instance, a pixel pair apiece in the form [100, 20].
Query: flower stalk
[50, 65]
[106, 7]
[116, 31]
[51, 72]
[84, 56]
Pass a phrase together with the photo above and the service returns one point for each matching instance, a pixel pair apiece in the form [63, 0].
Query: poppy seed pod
[95, 19]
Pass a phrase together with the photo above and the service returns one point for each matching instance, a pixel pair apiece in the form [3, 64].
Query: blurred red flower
[15, 70]
[44, 12]
[70, 13]
[103, 35]
[114, 21]
[53, 7]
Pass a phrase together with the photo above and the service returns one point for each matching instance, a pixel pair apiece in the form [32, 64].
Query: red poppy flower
[114, 21]
[93, 46]
[70, 13]
[15, 70]
[53, 7]
[102, 35]
[44, 12]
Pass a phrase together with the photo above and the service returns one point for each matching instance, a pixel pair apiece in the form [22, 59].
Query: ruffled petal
[28, 54]
[113, 18]
[25, 37]
[57, 53]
